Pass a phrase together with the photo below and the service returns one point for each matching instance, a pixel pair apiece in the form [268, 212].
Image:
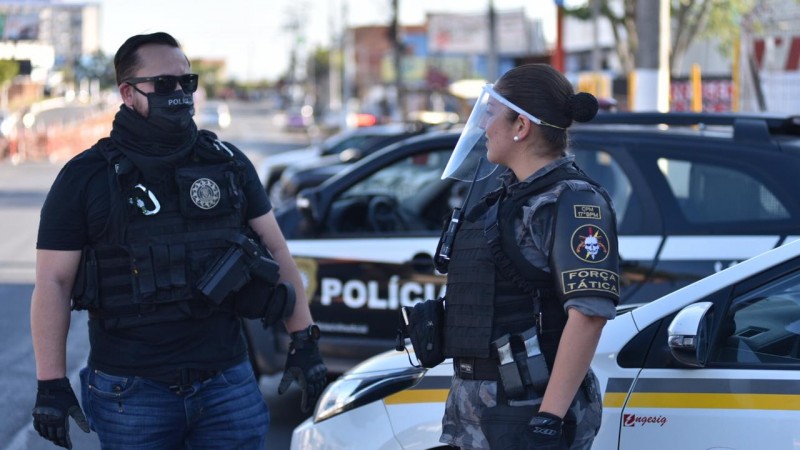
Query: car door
[746, 393]
[721, 204]
[372, 252]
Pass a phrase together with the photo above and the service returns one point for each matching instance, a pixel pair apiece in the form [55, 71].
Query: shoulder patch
[590, 244]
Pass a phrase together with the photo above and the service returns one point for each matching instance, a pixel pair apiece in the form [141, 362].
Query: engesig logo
[631, 420]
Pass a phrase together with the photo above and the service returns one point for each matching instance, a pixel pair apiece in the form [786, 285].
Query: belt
[181, 380]
[476, 368]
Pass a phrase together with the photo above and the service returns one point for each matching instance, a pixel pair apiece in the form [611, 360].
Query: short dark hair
[547, 94]
[126, 60]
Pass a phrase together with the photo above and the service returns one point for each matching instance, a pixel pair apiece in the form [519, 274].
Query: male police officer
[165, 235]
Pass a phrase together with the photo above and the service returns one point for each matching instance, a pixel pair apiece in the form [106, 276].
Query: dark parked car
[348, 142]
[313, 171]
[694, 193]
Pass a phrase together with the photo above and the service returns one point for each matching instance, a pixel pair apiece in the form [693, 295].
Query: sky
[252, 35]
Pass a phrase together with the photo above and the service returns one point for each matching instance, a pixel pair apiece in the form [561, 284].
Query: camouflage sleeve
[593, 306]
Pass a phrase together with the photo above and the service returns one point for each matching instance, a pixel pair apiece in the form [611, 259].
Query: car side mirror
[688, 334]
[351, 154]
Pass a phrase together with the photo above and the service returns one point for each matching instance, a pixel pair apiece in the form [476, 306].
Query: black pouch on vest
[86, 286]
[424, 323]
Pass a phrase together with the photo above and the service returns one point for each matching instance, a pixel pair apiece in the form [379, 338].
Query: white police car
[714, 365]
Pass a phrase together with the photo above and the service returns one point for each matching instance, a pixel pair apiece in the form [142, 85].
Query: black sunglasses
[166, 84]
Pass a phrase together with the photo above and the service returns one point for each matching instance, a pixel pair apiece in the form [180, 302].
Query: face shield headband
[468, 161]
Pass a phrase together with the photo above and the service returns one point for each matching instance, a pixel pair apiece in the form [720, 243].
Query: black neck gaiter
[151, 149]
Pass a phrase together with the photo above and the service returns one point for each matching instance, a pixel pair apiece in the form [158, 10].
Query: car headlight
[352, 391]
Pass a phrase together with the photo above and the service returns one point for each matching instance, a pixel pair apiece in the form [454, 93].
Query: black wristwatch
[311, 333]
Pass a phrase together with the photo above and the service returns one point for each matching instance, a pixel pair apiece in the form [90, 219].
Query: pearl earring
[516, 138]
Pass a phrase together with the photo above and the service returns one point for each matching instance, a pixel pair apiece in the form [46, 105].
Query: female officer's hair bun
[582, 106]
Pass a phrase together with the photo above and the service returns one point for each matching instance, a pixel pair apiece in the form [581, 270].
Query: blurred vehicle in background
[299, 118]
[213, 115]
[313, 171]
[350, 140]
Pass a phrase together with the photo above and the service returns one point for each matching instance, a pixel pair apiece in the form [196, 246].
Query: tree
[8, 70]
[97, 66]
[210, 75]
[690, 19]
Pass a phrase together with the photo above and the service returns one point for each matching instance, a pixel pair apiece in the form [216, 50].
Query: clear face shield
[468, 161]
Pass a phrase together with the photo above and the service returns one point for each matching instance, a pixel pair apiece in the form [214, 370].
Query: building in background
[769, 61]
[48, 39]
[445, 49]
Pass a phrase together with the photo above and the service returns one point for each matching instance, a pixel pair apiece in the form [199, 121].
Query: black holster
[239, 265]
[423, 324]
[248, 276]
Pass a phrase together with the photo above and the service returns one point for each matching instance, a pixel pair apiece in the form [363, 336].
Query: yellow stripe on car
[417, 396]
[715, 401]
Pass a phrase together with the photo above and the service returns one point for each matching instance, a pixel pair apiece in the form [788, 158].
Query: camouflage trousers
[461, 425]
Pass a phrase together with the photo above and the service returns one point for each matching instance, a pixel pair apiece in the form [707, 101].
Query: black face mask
[170, 113]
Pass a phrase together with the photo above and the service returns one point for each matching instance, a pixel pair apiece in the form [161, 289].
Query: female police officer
[533, 274]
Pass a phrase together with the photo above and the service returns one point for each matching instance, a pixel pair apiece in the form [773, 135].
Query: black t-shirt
[74, 215]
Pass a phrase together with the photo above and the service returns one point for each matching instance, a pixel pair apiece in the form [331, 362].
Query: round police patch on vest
[590, 244]
[204, 193]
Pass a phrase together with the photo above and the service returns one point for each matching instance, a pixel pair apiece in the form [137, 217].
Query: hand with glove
[544, 432]
[304, 365]
[55, 403]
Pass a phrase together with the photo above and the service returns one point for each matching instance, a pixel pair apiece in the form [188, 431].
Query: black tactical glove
[304, 365]
[55, 402]
[544, 433]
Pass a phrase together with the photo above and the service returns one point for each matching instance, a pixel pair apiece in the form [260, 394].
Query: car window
[602, 167]
[710, 193]
[407, 195]
[763, 326]
[351, 142]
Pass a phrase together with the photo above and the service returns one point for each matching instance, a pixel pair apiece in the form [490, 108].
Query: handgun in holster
[242, 261]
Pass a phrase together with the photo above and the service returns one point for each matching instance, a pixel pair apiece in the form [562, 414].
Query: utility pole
[558, 53]
[596, 59]
[348, 65]
[652, 57]
[491, 63]
[334, 64]
[397, 43]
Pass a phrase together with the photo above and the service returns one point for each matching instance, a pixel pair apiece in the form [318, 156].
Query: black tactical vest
[148, 264]
[475, 275]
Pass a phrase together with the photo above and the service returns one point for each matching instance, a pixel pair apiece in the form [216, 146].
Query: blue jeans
[225, 411]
